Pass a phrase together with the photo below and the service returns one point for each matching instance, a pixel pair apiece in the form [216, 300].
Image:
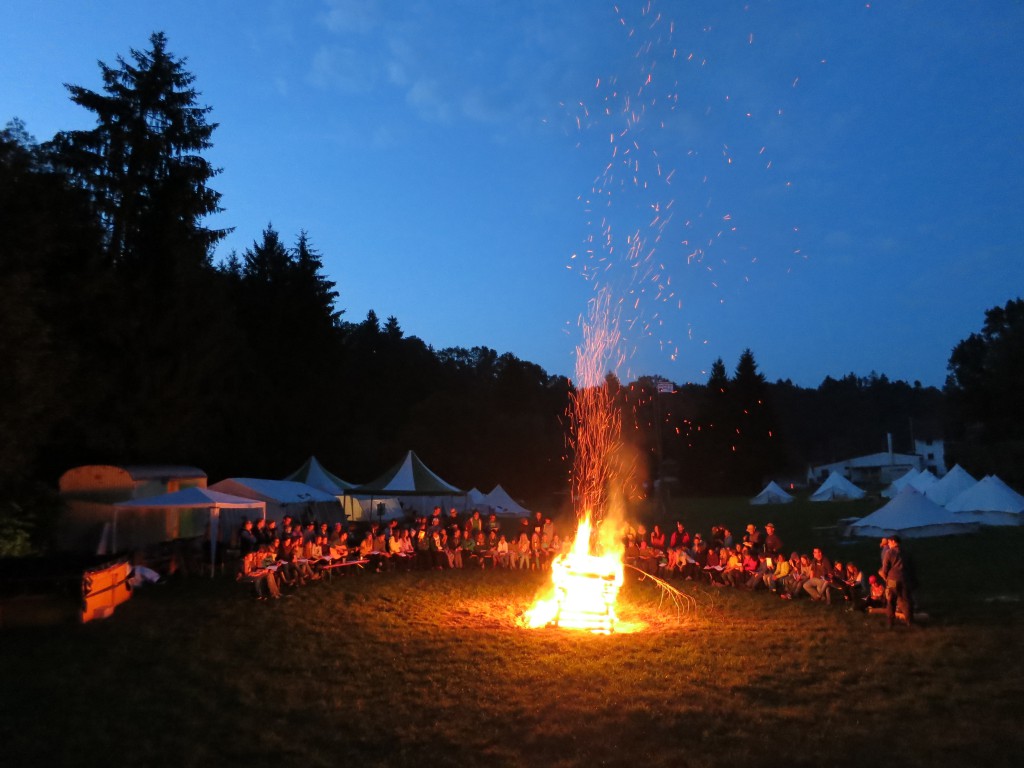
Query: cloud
[424, 97]
[341, 68]
[356, 16]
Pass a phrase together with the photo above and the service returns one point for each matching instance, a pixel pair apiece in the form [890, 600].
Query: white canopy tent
[415, 483]
[315, 474]
[837, 488]
[501, 504]
[951, 485]
[285, 497]
[990, 501]
[772, 494]
[913, 515]
[165, 515]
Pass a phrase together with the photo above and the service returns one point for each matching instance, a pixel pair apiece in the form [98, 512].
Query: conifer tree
[142, 163]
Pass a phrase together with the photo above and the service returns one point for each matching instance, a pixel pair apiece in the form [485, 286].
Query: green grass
[432, 670]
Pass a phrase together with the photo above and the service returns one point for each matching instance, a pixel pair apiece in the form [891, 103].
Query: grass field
[432, 670]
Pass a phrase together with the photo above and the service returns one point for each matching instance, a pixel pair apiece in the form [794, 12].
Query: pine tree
[142, 165]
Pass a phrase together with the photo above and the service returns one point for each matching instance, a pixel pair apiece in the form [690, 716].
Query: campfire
[585, 581]
[585, 587]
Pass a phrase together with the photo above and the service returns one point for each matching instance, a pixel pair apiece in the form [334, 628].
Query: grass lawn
[432, 670]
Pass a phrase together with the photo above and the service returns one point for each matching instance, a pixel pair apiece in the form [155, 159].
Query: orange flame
[586, 580]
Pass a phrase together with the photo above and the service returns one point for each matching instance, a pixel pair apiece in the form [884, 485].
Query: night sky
[837, 186]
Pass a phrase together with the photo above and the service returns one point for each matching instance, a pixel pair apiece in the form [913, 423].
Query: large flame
[584, 587]
[585, 581]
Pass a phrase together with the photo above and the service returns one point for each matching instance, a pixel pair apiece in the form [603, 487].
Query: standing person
[772, 541]
[898, 579]
[753, 538]
[247, 543]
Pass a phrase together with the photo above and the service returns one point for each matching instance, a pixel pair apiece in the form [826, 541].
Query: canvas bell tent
[837, 488]
[951, 485]
[990, 501]
[772, 494]
[911, 514]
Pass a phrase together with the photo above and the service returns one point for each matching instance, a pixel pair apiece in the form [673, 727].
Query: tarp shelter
[476, 498]
[412, 481]
[181, 515]
[313, 473]
[951, 485]
[900, 483]
[285, 497]
[990, 501]
[913, 515]
[772, 494]
[501, 504]
[837, 488]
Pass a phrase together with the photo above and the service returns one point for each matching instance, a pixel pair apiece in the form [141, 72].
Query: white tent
[168, 517]
[923, 480]
[415, 483]
[500, 503]
[772, 494]
[990, 501]
[476, 498]
[837, 488]
[285, 497]
[900, 483]
[313, 473]
[952, 484]
[385, 509]
[913, 515]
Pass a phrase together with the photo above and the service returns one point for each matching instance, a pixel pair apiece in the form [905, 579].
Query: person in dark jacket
[898, 574]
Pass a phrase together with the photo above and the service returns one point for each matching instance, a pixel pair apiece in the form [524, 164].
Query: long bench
[342, 564]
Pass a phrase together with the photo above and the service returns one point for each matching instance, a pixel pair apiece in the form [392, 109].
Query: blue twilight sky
[837, 186]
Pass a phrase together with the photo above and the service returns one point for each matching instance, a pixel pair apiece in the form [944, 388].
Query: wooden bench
[329, 569]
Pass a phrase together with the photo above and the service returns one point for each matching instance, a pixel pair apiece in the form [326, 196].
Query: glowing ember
[586, 580]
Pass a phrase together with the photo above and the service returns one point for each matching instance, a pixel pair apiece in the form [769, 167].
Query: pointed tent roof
[923, 480]
[900, 483]
[837, 488]
[313, 473]
[951, 485]
[913, 515]
[772, 494]
[503, 504]
[476, 496]
[990, 494]
[409, 477]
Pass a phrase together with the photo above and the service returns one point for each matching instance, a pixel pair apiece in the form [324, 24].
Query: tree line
[125, 342]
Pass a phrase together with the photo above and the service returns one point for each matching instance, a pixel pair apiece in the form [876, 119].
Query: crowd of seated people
[755, 561]
[301, 553]
[294, 554]
[291, 555]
